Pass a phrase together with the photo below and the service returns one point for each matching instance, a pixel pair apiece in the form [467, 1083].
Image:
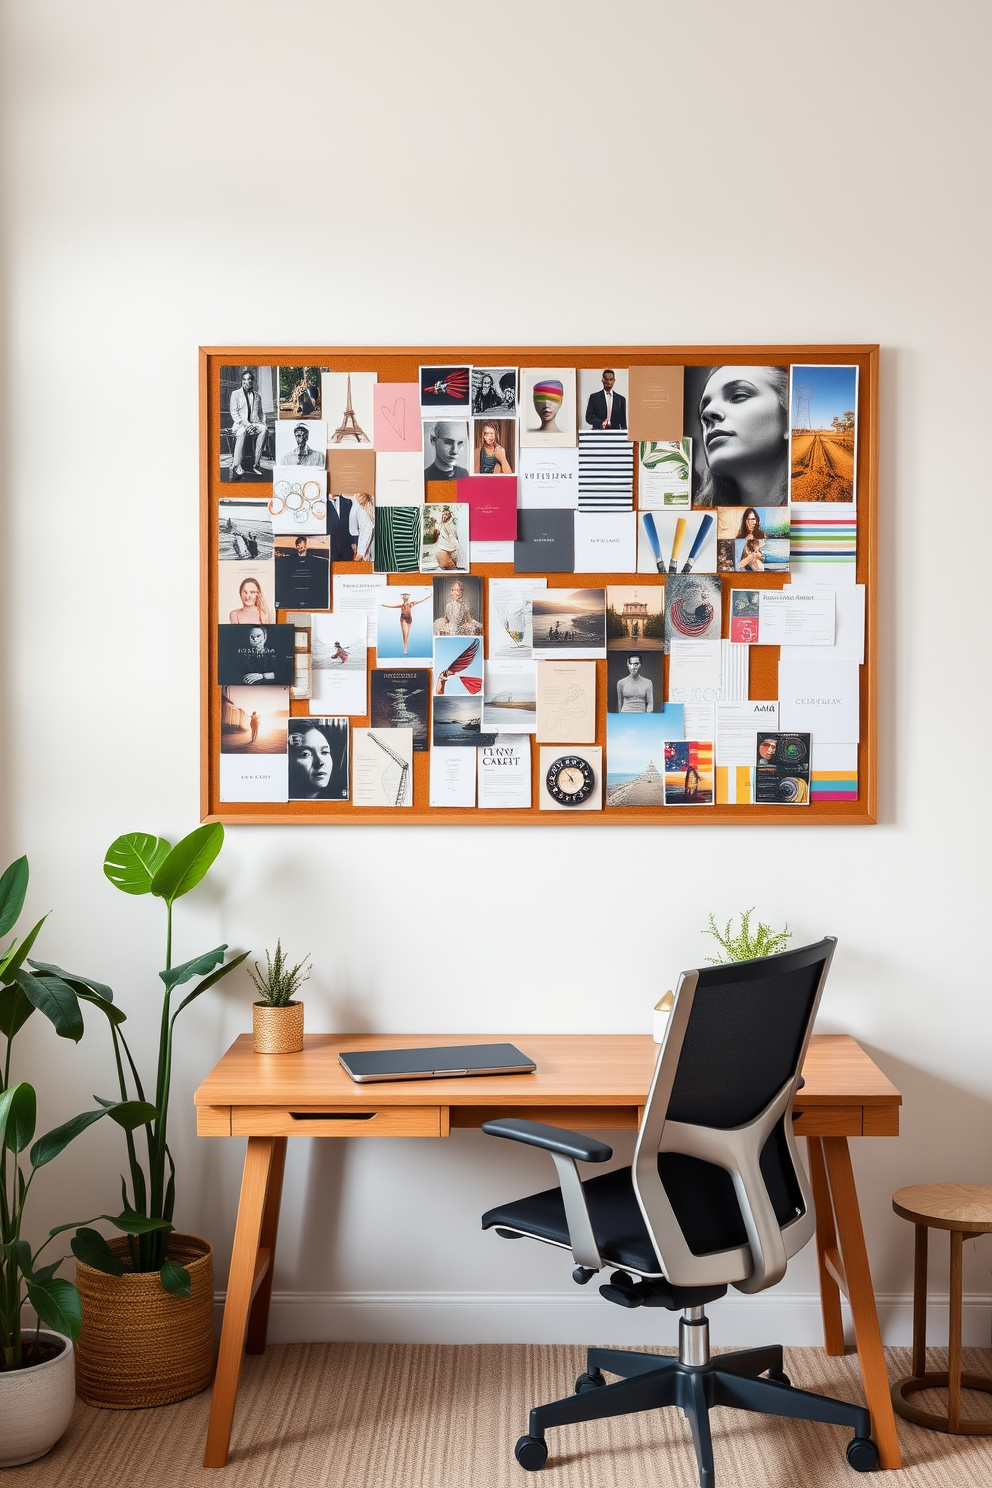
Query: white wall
[200, 173]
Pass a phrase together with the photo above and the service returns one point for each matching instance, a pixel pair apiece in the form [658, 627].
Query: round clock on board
[570, 780]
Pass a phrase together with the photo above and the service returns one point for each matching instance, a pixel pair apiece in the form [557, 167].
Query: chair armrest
[550, 1138]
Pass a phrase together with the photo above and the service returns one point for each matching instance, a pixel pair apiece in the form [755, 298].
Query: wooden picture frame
[400, 364]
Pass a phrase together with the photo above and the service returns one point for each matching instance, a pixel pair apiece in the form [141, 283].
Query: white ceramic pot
[36, 1404]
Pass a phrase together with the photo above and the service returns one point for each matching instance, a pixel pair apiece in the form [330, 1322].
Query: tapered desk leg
[258, 1317]
[826, 1241]
[245, 1261]
[854, 1258]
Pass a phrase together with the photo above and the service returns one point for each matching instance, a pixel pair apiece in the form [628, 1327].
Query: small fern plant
[279, 982]
[746, 944]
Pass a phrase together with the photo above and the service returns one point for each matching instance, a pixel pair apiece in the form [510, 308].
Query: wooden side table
[963, 1209]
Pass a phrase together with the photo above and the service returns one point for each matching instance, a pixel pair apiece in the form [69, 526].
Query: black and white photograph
[494, 390]
[318, 759]
[244, 532]
[494, 446]
[445, 390]
[447, 450]
[299, 392]
[301, 442]
[401, 699]
[634, 681]
[348, 408]
[738, 421]
[255, 655]
[303, 572]
[458, 605]
[247, 423]
[603, 398]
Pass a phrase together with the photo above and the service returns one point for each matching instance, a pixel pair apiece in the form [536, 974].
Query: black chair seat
[698, 1193]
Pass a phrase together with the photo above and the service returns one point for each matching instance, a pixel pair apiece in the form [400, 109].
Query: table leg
[868, 1339]
[258, 1317]
[241, 1283]
[954, 1335]
[920, 1302]
[826, 1241]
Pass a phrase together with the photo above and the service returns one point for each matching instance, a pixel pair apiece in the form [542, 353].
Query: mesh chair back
[716, 1170]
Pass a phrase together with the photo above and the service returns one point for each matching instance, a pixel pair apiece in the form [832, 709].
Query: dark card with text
[255, 654]
[545, 541]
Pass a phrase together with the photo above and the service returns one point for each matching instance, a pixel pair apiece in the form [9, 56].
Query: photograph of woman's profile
[318, 759]
[494, 452]
[738, 420]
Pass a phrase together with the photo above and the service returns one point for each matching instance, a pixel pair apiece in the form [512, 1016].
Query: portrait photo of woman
[445, 537]
[547, 407]
[738, 419]
[458, 607]
[253, 609]
[494, 441]
[318, 759]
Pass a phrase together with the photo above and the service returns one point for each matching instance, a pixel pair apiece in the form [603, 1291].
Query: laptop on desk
[367, 1065]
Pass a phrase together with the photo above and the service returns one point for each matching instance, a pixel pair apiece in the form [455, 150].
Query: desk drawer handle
[333, 1115]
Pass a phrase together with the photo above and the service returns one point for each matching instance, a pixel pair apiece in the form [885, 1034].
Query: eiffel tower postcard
[347, 399]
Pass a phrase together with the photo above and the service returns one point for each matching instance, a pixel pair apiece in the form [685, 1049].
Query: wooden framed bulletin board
[833, 545]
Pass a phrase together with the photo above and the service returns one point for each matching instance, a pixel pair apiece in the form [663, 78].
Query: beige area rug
[431, 1416]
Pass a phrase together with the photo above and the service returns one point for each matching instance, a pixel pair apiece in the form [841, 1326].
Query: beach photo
[635, 757]
[244, 532]
[635, 616]
[253, 720]
[458, 721]
[510, 697]
[823, 443]
[569, 622]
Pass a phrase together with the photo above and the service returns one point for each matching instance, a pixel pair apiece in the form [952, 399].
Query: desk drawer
[339, 1121]
[828, 1121]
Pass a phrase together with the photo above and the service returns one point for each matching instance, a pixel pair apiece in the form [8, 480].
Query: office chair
[716, 1197]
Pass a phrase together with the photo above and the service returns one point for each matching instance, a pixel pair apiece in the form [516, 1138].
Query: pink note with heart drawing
[396, 417]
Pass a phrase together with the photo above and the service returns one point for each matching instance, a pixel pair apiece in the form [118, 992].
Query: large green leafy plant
[56, 994]
[139, 863]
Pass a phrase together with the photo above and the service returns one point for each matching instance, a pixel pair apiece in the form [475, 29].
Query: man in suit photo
[607, 409]
[248, 422]
[339, 529]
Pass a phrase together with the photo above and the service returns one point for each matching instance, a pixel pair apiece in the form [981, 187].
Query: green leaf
[136, 1224]
[22, 1254]
[111, 1012]
[129, 1114]
[176, 1279]
[18, 1113]
[15, 957]
[188, 862]
[133, 860]
[215, 976]
[197, 967]
[56, 1000]
[15, 1009]
[90, 1247]
[13, 887]
[73, 977]
[45, 1273]
[58, 1139]
[57, 1304]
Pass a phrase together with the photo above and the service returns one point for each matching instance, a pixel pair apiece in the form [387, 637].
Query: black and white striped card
[606, 471]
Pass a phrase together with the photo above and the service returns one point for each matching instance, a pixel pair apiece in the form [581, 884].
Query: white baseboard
[550, 1317]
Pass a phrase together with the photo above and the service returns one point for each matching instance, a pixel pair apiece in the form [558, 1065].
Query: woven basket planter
[277, 1030]
[140, 1345]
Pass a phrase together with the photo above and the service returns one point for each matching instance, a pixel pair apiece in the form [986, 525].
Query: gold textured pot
[277, 1030]
[140, 1345]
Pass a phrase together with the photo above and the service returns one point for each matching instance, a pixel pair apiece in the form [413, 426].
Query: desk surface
[573, 1070]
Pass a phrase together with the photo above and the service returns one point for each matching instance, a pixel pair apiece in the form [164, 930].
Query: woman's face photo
[633, 665]
[457, 591]
[311, 763]
[742, 417]
[547, 401]
[250, 593]
[256, 637]
[489, 435]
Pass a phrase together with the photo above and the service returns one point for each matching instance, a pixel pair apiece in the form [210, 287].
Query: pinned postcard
[382, 767]
[396, 417]
[446, 454]
[849, 626]
[737, 725]
[245, 532]
[822, 698]
[797, 616]
[504, 773]
[695, 670]
[569, 622]
[397, 539]
[603, 398]
[299, 500]
[744, 616]
[510, 697]
[545, 542]
[318, 759]
[338, 658]
[457, 605]
[250, 655]
[492, 503]
[511, 617]
[494, 390]
[348, 407]
[664, 474]
[253, 743]
[635, 616]
[676, 545]
[360, 594]
[606, 472]
[299, 392]
[823, 544]
[457, 666]
[303, 442]
[547, 407]
[494, 447]
[752, 539]
[303, 569]
[400, 699]
[823, 443]
[405, 634]
[692, 608]
[634, 681]
[444, 537]
[655, 411]
[457, 721]
[689, 773]
[548, 478]
[605, 542]
[350, 471]
[566, 701]
[445, 390]
[635, 757]
[452, 777]
[781, 775]
[399, 478]
[246, 593]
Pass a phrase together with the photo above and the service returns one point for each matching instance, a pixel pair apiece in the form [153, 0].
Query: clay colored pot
[277, 1030]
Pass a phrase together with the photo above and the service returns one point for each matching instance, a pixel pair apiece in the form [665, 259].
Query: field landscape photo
[824, 428]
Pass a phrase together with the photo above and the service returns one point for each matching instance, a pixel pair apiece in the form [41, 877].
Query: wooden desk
[588, 1081]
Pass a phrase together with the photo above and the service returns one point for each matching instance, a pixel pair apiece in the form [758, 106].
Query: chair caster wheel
[531, 1452]
[778, 1377]
[862, 1454]
[593, 1380]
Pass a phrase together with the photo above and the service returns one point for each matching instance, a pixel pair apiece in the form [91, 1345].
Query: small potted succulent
[277, 1017]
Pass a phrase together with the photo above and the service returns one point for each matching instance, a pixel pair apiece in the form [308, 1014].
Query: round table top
[946, 1206]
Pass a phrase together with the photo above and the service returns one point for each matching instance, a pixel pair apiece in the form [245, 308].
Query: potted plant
[147, 1294]
[745, 944]
[37, 1368]
[277, 1018]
